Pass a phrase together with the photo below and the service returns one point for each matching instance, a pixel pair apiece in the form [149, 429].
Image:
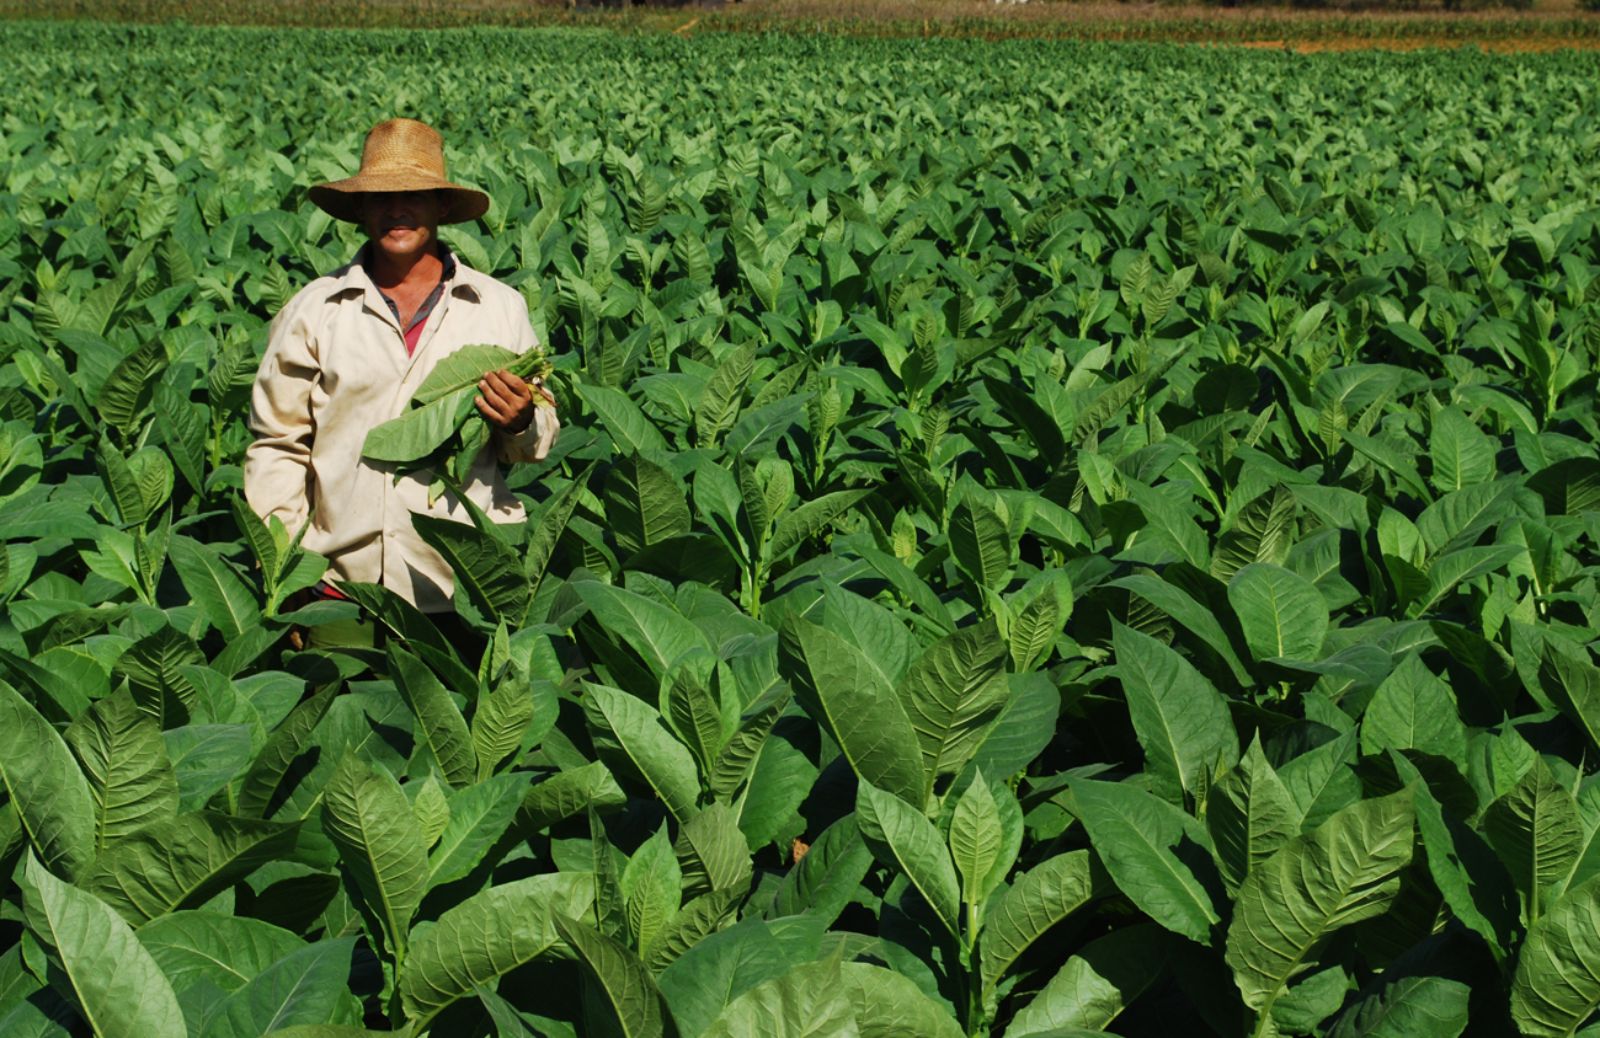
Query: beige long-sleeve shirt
[335, 367]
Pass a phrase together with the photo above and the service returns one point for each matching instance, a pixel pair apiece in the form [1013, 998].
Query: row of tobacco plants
[1047, 540]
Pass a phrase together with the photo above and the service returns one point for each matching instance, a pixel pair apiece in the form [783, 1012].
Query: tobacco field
[1047, 540]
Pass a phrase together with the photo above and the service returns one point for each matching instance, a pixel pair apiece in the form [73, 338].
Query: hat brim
[341, 199]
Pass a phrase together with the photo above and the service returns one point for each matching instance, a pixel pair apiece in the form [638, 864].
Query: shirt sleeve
[277, 464]
[534, 442]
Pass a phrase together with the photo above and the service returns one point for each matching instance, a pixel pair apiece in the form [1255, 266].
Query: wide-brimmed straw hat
[400, 155]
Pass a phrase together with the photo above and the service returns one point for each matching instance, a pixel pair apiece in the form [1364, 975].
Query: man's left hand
[507, 402]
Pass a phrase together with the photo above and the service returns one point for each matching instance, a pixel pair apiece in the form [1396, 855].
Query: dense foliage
[1048, 540]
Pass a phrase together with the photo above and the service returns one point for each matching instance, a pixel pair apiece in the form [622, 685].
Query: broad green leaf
[568, 793]
[846, 694]
[1189, 613]
[503, 716]
[259, 791]
[51, 797]
[660, 635]
[1181, 720]
[488, 571]
[223, 950]
[717, 970]
[1250, 814]
[981, 545]
[889, 1005]
[485, 937]
[183, 862]
[632, 1004]
[1095, 985]
[743, 747]
[953, 693]
[645, 505]
[464, 368]
[1282, 613]
[1557, 984]
[630, 733]
[900, 837]
[1038, 900]
[811, 519]
[381, 850]
[421, 430]
[1410, 1006]
[827, 878]
[304, 987]
[125, 760]
[1474, 883]
[479, 815]
[116, 986]
[1344, 871]
[651, 886]
[1152, 851]
[809, 1001]
[718, 404]
[1261, 531]
[697, 920]
[712, 852]
[978, 840]
[439, 724]
[1462, 454]
[630, 429]
[1414, 710]
[216, 589]
[1536, 832]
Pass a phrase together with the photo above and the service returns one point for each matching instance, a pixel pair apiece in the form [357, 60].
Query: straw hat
[400, 155]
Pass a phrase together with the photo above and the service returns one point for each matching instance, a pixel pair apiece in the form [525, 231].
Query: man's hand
[507, 402]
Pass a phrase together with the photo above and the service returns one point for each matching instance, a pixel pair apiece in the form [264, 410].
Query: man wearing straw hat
[349, 350]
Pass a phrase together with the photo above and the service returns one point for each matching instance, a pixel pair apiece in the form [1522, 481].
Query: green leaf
[1536, 832]
[842, 690]
[115, 984]
[1094, 986]
[439, 724]
[1261, 531]
[381, 851]
[889, 1005]
[719, 401]
[420, 431]
[464, 368]
[631, 430]
[739, 753]
[216, 589]
[1281, 612]
[1250, 814]
[203, 946]
[1557, 984]
[1410, 1006]
[717, 970]
[900, 837]
[479, 816]
[697, 920]
[1180, 718]
[631, 734]
[633, 1007]
[1414, 710]
[485, 937]
[1462, 454]
[713, 853]
[503, 716]
[568, 793]
[809, 1001]
[1139, 836]
[645, 505]
[981, 545]
[978, 840]
[488, 571]
[183, 862]
[125, 394]
[1038, 900]
[660, 635]
[124, 758]
[304, 987]
[261, 784]
[1344, 871]
[953, 694]
[1475, 885]
[811, 519]
[51, 797]
[826, 880]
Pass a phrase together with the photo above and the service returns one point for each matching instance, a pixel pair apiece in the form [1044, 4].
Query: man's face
[402, 224]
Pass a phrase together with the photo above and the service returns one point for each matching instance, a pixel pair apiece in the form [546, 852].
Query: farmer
[349, 350]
